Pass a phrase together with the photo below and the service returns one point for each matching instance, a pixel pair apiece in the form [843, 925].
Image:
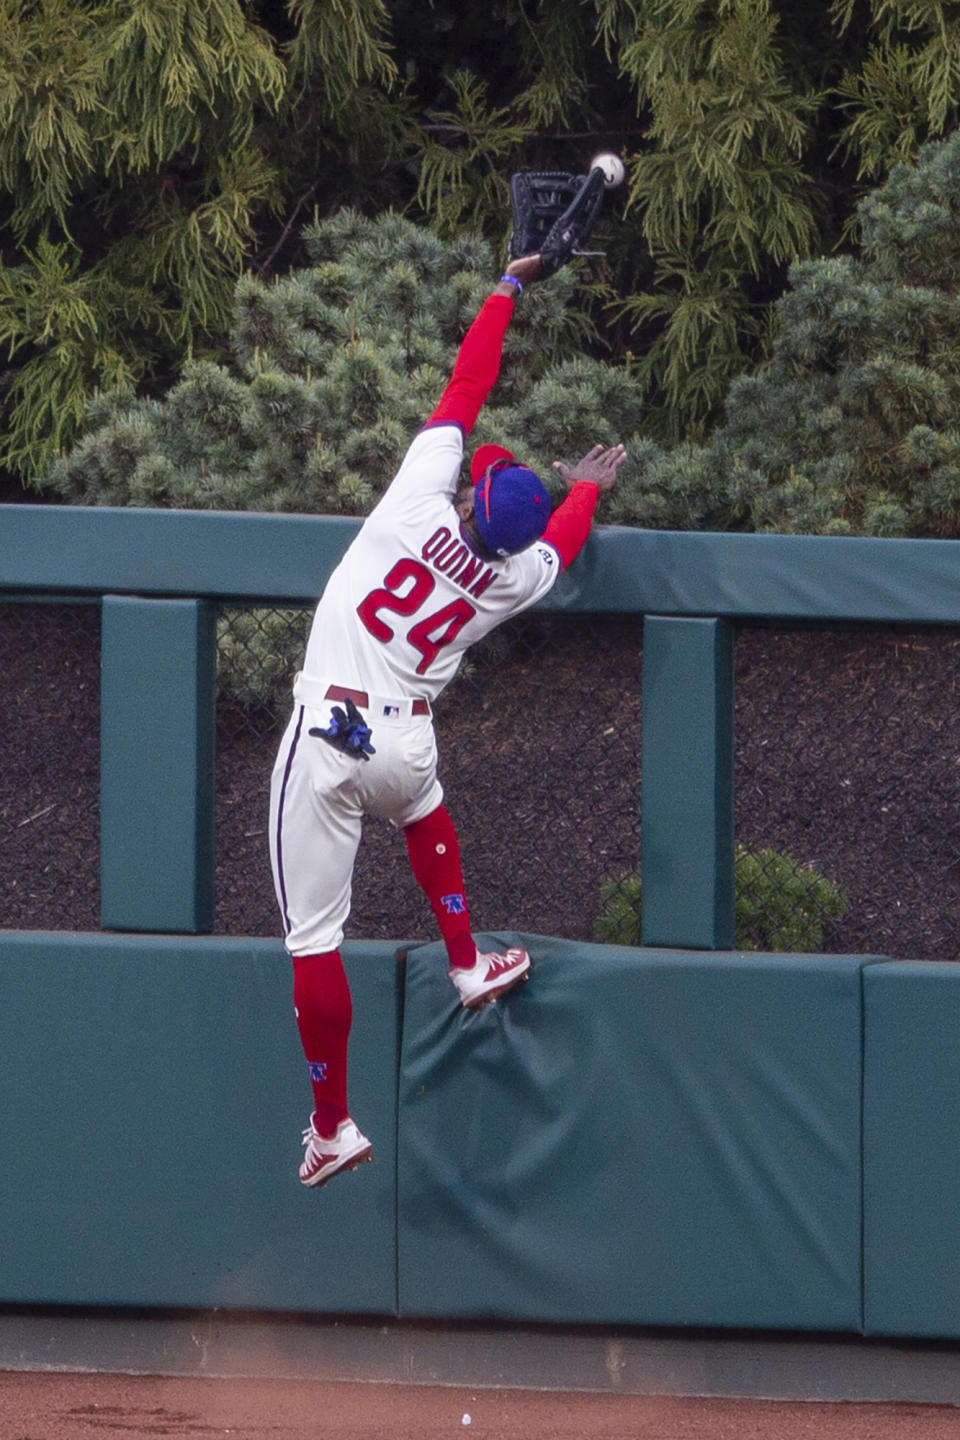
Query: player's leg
[434, 851]
[315, 822]
[413, 800]
[412, 797]
[324, 1011]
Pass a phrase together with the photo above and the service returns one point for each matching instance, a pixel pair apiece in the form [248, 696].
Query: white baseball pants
[318, 797]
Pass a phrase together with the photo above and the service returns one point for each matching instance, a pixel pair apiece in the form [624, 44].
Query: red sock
[324, 1011]
[434, 852]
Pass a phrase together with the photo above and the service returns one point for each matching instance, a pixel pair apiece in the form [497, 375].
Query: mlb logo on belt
[392, 711]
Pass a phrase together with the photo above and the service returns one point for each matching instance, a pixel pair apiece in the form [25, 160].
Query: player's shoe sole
[492, 976]
[491, 995]
[324, 1158]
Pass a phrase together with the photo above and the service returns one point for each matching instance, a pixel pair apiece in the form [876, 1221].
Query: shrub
[335, 368]
[781, 904]
[853, 427]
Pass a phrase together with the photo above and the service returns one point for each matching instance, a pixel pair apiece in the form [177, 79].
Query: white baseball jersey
[410, 596]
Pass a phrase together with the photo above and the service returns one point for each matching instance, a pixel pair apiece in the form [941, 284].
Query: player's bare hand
[599, 465]
[526, 269]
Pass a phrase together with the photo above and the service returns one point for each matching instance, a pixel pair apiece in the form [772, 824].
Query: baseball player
[433, 569]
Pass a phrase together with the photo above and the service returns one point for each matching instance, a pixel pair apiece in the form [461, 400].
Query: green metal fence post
[158, 669]
[687, 756]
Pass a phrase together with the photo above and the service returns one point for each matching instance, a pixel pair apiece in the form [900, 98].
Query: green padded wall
[911, 1140]
[154, 1092]
[639, 1137]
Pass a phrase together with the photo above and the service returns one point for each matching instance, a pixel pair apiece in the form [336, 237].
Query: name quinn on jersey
[449, 556]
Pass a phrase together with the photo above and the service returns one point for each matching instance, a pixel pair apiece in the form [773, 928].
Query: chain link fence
[847, 781]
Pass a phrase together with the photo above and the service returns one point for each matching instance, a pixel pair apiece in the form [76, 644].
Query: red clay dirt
[48, 1406]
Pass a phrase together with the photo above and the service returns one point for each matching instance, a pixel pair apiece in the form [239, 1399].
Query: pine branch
[265, 267]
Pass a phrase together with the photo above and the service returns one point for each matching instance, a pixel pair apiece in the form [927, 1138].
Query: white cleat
[324, 1158]
[491, 976]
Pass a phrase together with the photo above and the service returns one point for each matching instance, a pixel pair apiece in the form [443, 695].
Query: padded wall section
[912, 1149]
[658, 1138]
[154, 1092]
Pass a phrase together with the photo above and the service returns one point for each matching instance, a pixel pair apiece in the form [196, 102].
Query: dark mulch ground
[848, 756]
[50, 770]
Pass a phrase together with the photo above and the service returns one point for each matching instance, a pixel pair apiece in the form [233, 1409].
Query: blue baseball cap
[511, 503]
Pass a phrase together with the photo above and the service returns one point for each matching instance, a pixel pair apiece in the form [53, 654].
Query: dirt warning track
[45, 1406]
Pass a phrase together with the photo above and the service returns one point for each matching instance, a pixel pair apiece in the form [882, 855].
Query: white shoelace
[498, 962]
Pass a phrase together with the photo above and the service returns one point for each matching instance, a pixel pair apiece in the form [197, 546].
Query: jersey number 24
[428, 635]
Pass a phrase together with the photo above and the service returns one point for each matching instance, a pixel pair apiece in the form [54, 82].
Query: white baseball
[612, 166]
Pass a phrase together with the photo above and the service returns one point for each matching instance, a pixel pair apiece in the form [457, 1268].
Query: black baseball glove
[553, 215]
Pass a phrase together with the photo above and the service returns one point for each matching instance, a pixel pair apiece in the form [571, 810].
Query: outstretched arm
[569, 525]
[478, 362]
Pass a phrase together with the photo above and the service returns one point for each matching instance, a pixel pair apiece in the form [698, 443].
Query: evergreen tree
[903, 88]
[138, 155]
[151, 150]
[337, 366]
[722, 192]
[854, 425]
[747, 125]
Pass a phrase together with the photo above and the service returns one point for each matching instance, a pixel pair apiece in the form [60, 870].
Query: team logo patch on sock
[318, 1069]
[454, 904]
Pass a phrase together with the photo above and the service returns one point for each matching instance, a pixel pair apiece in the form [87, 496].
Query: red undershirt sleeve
[477, 367]
[569, 525]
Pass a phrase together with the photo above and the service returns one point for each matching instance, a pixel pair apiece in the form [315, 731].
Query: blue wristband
[512, 280]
